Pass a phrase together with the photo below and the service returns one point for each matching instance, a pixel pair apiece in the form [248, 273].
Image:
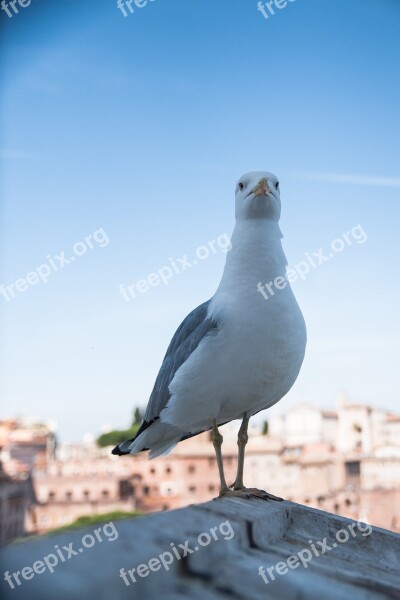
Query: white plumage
[239, 353]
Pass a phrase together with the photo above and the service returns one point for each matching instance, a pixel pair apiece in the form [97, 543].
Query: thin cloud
[351, 179]
[15, 155]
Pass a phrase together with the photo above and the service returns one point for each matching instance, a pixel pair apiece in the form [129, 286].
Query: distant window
[152, 470]
[167, 488]
[211, 487]
[105, 494]
[192, 489]
[86, 494]
[336, 507]
[68, 496]
[126, 489]
[168, 470]
[192, 468]
[353, 467]
[347, 502]
[146, 490]
[51, 497]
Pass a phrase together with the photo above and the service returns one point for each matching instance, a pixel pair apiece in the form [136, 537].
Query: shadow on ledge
[226, 548]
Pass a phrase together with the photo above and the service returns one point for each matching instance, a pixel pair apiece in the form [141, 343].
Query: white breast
[255, 358]
[265, 338]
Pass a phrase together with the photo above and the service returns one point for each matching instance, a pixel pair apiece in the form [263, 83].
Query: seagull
[236, 354]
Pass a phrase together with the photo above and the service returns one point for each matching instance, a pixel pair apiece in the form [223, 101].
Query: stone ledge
[265, 533]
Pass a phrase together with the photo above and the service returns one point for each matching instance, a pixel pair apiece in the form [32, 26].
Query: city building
[345, 461]
[16, 502]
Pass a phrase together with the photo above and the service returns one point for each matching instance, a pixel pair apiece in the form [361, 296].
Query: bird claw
[248, 493]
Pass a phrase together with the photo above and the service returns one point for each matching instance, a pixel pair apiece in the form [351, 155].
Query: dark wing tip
[117, 451]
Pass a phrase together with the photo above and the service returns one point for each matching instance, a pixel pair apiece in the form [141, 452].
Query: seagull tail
[158, 438]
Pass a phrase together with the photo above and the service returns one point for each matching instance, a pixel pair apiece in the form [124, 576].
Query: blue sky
[141, 125]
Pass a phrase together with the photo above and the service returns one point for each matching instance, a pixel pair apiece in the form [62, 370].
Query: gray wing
[185, 340]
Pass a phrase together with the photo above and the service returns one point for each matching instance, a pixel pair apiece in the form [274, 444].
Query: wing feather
[195, 327]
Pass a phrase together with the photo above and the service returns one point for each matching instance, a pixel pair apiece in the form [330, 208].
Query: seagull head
[257, 196]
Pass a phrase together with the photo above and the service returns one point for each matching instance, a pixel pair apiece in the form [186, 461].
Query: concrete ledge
[247, 534]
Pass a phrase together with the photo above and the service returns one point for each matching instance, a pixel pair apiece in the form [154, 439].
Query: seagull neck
[256, 251]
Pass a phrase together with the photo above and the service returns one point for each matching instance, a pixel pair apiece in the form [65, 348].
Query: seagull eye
[277, 185]
[241, 186]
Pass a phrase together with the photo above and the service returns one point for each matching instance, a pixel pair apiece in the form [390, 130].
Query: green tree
[85, 521]
[117, 436]
[137, 416]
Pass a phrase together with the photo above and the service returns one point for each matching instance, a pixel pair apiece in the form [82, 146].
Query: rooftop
[234, 548]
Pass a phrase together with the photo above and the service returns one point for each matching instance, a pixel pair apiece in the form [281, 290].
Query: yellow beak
[261, 188]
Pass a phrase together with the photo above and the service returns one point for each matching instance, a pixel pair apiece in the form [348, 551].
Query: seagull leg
[217, 440]
[238, 487]
[242, 441]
